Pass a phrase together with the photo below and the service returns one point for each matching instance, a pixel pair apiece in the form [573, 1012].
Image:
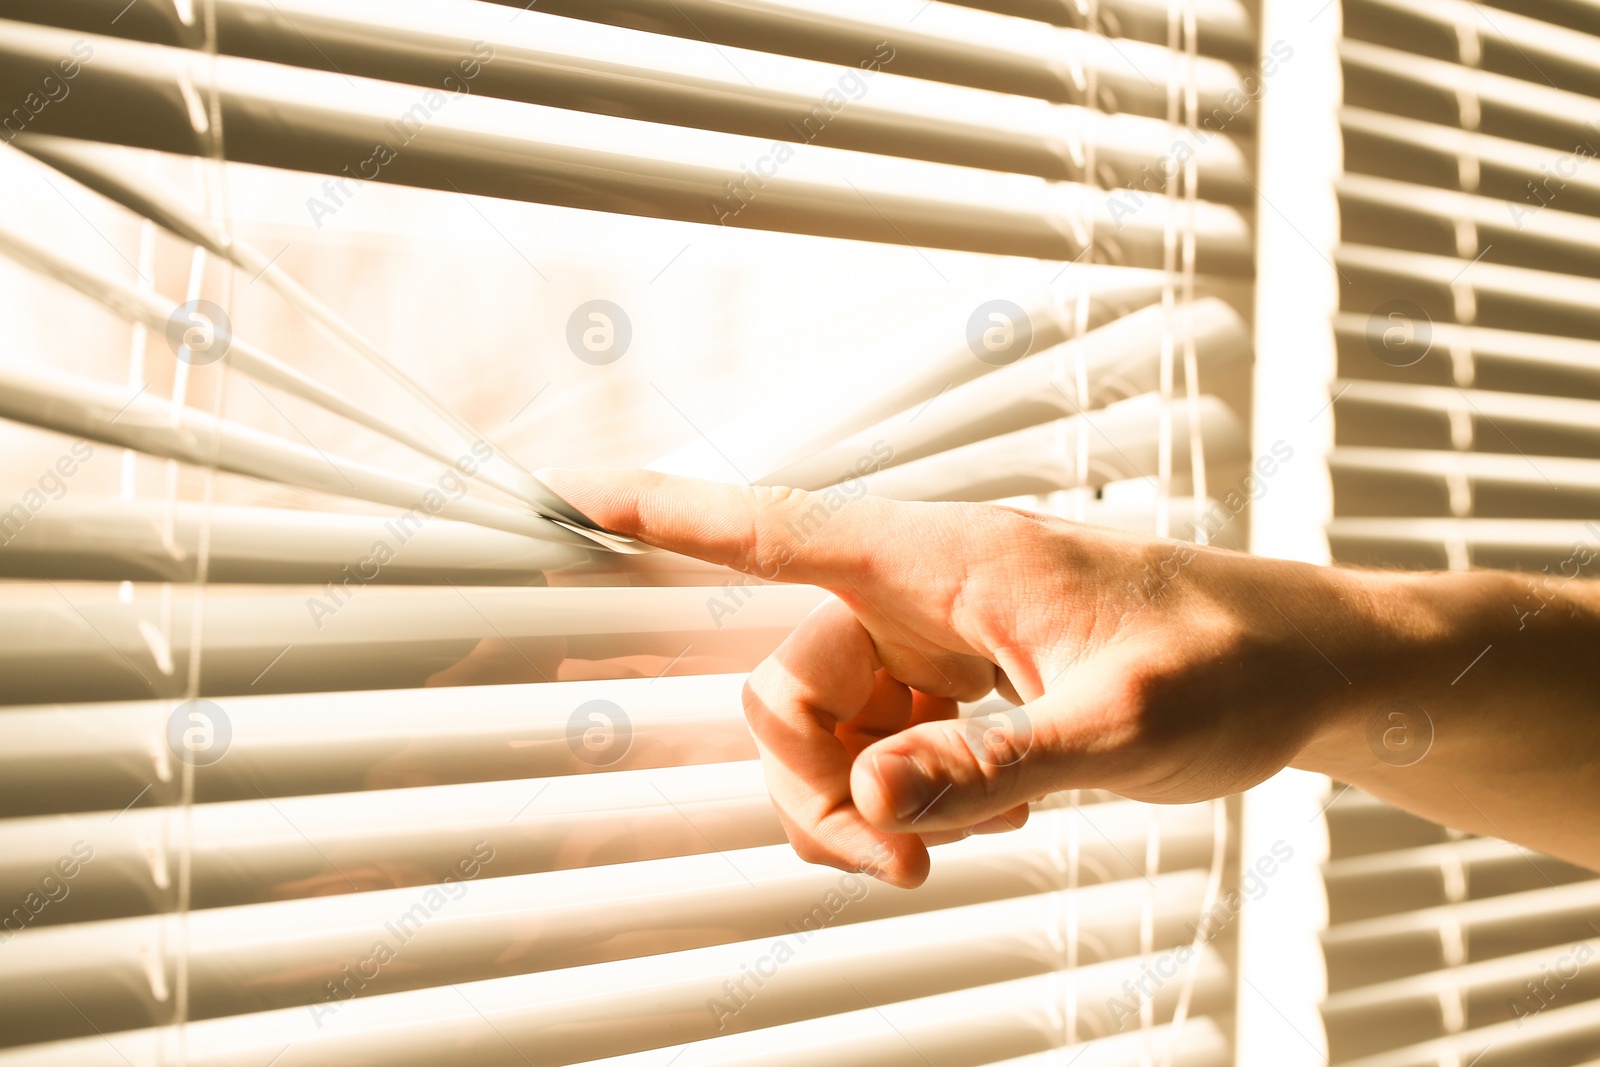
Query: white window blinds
[1469, 379]
[331, 736]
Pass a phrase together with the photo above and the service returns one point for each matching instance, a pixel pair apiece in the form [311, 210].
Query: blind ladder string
[1084, 295]
[216, 200]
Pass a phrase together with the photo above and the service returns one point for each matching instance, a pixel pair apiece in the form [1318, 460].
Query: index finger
[781, 535]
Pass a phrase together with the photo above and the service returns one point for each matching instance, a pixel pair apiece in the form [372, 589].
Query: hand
[1151, 668]
[1160, 670]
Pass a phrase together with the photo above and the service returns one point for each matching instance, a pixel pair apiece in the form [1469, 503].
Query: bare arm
[1159, 670]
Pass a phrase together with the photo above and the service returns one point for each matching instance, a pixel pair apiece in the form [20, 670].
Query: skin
[1163, 671]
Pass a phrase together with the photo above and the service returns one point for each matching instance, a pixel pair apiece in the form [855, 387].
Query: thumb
[959, 773]
[789, 535]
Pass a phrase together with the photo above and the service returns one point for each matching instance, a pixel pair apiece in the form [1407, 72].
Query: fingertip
[603, 496]
[903, 864]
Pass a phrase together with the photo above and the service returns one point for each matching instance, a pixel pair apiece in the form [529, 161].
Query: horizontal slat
[1537, 102]
[1532, 536]
[93, 757]
[1561, 472]
[252, 851]
[1359, 824]
[1422, 483]
[936, 41]
[1425, 1007]
[1375, 950]
[1200, 1042]
[82, 642]
[1224, 26]
[1503, 229]
[1451, 143]
[941, 1032]
[1555, 1038]
[264, 849]
[308, 120]
[1124, 442]
[561, 62]
[1119, 360]
[1579, 297]
[1385, 883]
[1582, 15]
[1523, 353]
[1557, 411]
[1502, 422]
[1540, 46]
[267, 957]
[491, 1023]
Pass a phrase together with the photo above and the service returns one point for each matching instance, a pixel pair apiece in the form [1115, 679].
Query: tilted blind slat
[309, 120]
[936, 41]
[632, 1001]
[560, 62]
[968, 1027]
[1120, 360]
[1123, 439]
[80, 642]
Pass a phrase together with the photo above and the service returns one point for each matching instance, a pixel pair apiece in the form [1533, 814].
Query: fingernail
[910, 792]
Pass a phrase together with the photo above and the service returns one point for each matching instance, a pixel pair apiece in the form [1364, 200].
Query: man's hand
[1160, 670]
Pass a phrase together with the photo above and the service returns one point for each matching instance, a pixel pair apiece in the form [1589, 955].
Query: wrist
[1401, 634]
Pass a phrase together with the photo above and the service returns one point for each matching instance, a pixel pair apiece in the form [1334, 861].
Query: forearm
[1473, 700]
